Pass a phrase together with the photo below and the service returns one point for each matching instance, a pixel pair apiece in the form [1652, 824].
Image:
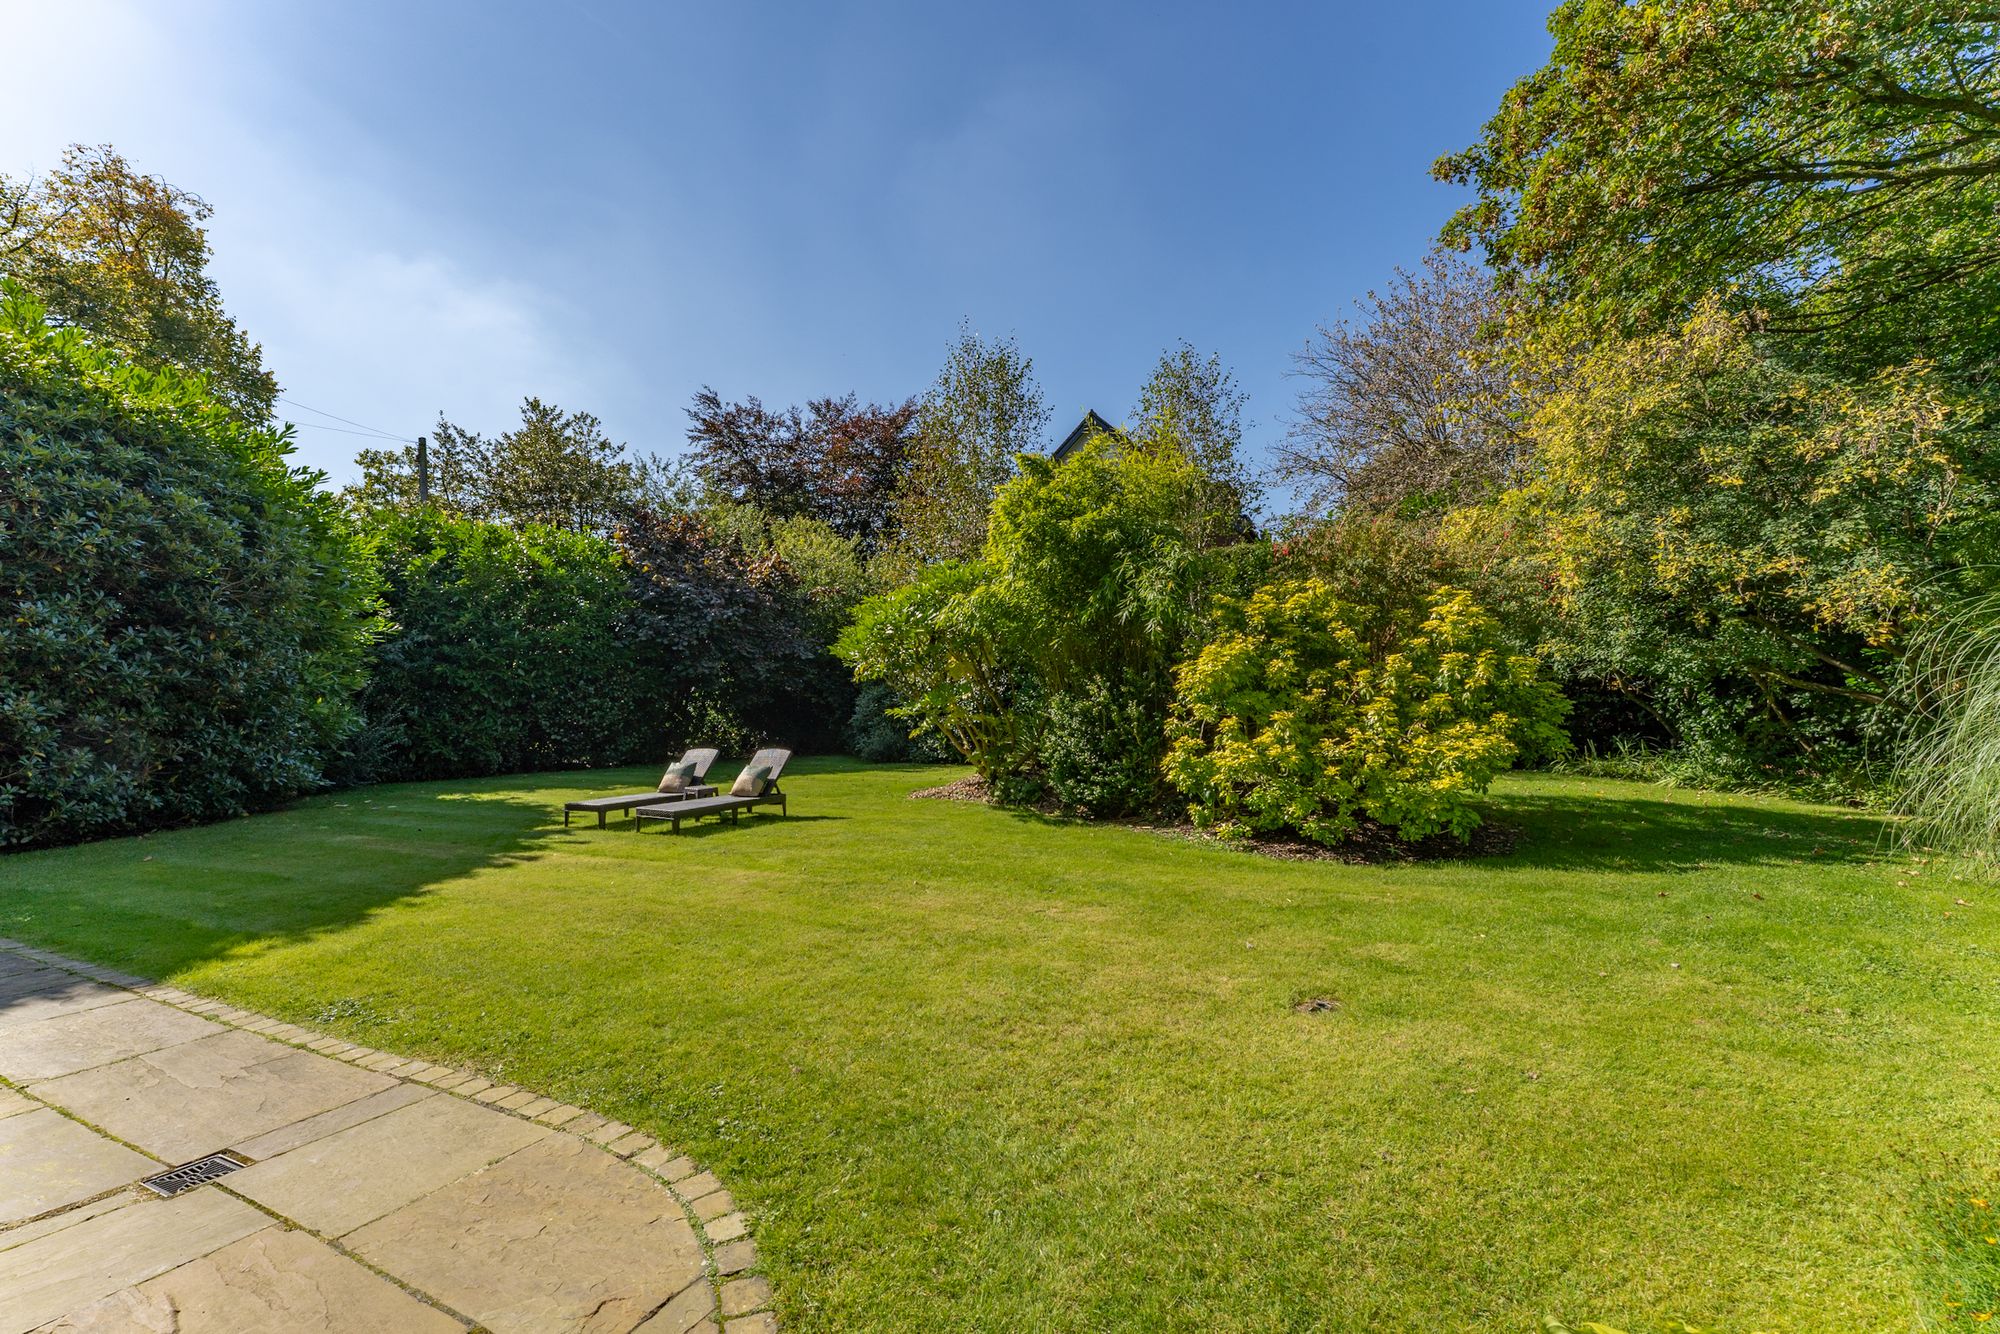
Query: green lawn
[1715, 1059]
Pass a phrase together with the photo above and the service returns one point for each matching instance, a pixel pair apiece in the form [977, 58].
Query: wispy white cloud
[361, 308]
[449, 205]
[421, 334]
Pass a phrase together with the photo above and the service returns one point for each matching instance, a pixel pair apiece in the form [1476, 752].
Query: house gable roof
[1091, 425]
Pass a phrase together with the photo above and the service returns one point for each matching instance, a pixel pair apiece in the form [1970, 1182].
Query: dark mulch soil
[1371, 845]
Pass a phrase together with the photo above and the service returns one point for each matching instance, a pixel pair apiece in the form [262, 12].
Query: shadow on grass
[1631, 833]
[710, 827]
[1611, 832]
[161, 902]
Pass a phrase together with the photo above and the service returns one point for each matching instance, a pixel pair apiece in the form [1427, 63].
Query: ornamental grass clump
[1948, 768]
[1289, 720]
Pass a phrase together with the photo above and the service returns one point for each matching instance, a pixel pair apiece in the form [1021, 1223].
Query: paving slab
[286, 1138]
[726, 1227]
[66, 1043]
[278, 1281]
[696, 1186]
[48, 1160]
[685, 1313]
[740, 1296]
[736, 1257]
[12, 962]
[57, 993]
[204, 1096]
[714, 1205]
[335, 1184]
[72, 1268]
[375, 1199]
[673, 1166]
[502, 1245]
[22, 1233]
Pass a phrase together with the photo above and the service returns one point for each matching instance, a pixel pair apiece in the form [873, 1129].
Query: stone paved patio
[383, 1194]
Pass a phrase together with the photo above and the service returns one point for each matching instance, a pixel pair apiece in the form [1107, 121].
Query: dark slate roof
[1091, 425]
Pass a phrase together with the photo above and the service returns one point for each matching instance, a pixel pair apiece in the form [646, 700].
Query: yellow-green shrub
[1289, 719]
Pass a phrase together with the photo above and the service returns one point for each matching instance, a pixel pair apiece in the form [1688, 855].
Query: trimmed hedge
[517, 649]
[507, 651]
[187, 616]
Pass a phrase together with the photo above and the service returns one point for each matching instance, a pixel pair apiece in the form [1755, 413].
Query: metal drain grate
[189, 1175]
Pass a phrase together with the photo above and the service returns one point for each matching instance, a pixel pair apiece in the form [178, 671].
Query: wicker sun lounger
[602, 806]
[730, 805]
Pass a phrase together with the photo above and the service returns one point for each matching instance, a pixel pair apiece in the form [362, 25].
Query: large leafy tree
[123, 256]
[830, 571]
[1195, 402]
[1192, 405]
[835, 460]
[982, 411]
[738, 631]
[1832, 164]
[1047, 662]
[559, 468]
[1747, 250]
[454, 458]
[1748, 541]
[1410, 406]
[1095, 555]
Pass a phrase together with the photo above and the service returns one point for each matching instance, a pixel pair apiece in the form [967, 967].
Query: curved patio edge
[727, 1298]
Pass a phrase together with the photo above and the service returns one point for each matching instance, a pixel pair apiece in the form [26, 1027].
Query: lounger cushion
[678, 777]
[752, 781]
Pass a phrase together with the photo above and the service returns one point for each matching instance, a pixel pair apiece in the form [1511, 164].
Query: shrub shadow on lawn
[1554, 831]
[1618, 832]
[161, 902]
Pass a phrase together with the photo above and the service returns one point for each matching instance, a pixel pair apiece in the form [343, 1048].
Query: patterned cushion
[752, 781]
[679, 777]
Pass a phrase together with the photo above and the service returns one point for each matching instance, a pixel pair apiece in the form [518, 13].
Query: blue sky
[446, 206]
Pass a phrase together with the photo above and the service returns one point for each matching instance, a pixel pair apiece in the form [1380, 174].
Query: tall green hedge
[185, 616]
[512, 649]
[508, 649]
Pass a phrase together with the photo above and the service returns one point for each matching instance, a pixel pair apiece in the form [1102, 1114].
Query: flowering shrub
[1289, 719]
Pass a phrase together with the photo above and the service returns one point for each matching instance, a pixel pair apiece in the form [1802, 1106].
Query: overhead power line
[365, 435]
[362, 428]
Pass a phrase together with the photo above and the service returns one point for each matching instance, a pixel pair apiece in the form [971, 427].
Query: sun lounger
[733, 804]
[695, 789]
